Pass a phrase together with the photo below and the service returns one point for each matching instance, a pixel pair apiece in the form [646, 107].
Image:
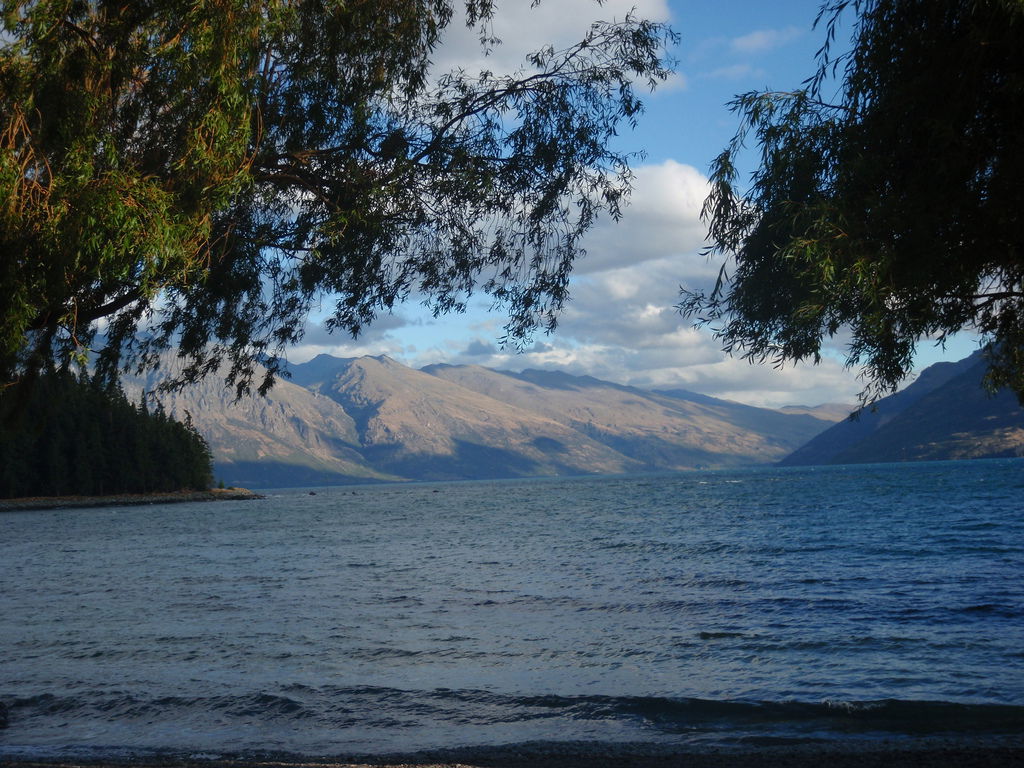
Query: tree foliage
[888, 211]
[69, 435]
[202, 174]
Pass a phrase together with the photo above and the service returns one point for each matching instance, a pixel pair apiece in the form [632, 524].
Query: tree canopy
[70, 435]
[885, 212]
[201, 174]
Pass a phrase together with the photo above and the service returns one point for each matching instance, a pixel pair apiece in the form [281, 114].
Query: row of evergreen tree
[69, 435]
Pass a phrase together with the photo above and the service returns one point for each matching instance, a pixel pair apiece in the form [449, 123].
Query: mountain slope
[290, 437]
[660, 430]
[417, 425]
[945, 414]
[830, 412]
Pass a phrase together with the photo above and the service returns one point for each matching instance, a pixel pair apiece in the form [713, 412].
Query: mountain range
[373, 419]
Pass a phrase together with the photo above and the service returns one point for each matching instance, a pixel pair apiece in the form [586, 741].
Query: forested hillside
[65, 435]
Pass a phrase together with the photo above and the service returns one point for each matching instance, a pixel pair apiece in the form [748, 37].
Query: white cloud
[737, 58]
[627, 306]
[735, 72]
[523, 30]
[675, 83]
[662, 218]
[763, 385]
[763, 40]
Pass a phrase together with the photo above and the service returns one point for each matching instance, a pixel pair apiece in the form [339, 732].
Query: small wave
[689, 714]
[992, 609]
[298, 712]
[383, 652]
[117, 706]
[893, 716]
[265, 704]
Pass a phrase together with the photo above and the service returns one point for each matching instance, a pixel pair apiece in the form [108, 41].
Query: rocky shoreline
[126, 499]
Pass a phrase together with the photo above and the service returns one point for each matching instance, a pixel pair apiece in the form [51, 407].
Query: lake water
[696, 610]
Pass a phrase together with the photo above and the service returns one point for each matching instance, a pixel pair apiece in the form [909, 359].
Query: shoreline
[889, 754]
[125, 499]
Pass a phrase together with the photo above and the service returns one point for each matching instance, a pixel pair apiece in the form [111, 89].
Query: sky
[621, 324]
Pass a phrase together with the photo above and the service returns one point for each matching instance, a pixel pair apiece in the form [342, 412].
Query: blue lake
[701, 609]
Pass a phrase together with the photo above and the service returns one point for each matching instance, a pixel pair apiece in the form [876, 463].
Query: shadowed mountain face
[945, 414]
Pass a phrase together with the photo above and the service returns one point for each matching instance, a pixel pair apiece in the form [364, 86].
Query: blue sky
[620, 324]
